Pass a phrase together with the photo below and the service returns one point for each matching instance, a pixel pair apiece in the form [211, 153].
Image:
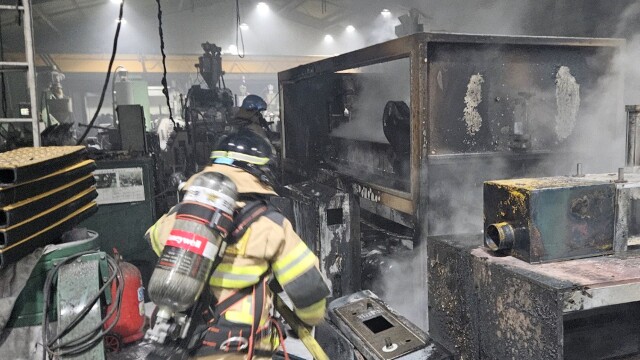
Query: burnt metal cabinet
[328, 220]
[481, 107]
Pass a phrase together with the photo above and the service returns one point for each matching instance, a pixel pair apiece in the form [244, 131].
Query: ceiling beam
[40, 15]
[291, 5]
[78, 8]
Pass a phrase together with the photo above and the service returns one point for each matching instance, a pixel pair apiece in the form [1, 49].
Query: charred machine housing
[413, 127]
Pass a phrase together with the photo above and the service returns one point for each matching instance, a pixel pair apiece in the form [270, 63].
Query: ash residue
[472, 99]
[567, 102]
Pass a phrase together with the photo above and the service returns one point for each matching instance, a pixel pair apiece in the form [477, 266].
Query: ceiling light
[244, 26]
[328, 38]
[263, 8]
[116, 1]
[386, 13]
[350, 28]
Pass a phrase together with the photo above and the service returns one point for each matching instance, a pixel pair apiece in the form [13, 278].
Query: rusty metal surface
[517, 318]
[566, 275]
[452, 296]
[553, 218]
[586, 295]
[627, 221]
[485, 306]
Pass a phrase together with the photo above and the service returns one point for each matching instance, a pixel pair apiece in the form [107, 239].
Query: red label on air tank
[187, 240]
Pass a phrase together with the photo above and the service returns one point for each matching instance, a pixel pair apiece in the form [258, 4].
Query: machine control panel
[379, 329]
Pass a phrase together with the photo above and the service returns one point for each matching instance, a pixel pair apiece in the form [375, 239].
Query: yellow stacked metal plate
[16, 213]
[12, 194]
[25, 164]
[46, 191]
[52, 232]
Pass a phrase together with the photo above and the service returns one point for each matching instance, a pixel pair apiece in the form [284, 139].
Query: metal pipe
[633, 150]
[620, 175]
[579, 171]
[31, 72]
[500, 236]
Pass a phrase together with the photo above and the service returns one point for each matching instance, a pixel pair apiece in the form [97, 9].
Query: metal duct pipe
[633, 146]
[500, 236]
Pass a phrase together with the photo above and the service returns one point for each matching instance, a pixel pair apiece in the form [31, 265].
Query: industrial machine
[206, 111]
[413, 127]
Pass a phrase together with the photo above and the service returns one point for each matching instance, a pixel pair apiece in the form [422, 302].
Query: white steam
[377, 84]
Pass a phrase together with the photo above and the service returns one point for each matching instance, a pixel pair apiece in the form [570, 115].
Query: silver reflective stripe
[295, 262]
[239, 277]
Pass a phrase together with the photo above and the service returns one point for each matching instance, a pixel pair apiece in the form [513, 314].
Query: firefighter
[249, 116]
[267, 248]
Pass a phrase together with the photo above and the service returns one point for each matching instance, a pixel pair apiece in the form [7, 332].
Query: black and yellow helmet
[249, 151]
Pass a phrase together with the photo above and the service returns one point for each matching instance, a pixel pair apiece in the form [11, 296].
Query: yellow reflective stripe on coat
[155, 242]
[244, 315]
[237, 276]
[313, 312]
[240, 248]
[294, 264]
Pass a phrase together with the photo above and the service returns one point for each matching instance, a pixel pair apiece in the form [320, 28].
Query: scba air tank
[203, 219]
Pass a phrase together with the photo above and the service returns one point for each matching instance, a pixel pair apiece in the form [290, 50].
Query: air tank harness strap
[220, 220]
[246, 216]
[217, 335]
[223, 336]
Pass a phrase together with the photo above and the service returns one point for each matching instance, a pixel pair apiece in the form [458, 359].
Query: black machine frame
[406, 207]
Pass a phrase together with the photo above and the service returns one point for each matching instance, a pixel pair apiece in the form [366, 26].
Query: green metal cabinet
[126, 209]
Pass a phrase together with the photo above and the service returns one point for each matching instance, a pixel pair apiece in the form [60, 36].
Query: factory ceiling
[319, 14]
[299, 26]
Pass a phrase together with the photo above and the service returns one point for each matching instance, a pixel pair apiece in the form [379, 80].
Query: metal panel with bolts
[378, 332]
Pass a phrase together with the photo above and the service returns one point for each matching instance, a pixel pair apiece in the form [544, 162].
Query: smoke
[628, 19]
[382, 29]
[632, 71]
[476, 17]
[375, 85]
[579, 109]
[398, 285]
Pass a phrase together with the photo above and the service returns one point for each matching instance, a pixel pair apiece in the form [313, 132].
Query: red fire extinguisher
[130, 325]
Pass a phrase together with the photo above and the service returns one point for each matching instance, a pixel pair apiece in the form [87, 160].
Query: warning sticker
[192, 242]
[184, 262]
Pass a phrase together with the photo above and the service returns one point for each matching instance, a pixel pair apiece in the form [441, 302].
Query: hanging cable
[165, 88]
[106, 80]
[239, 31]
